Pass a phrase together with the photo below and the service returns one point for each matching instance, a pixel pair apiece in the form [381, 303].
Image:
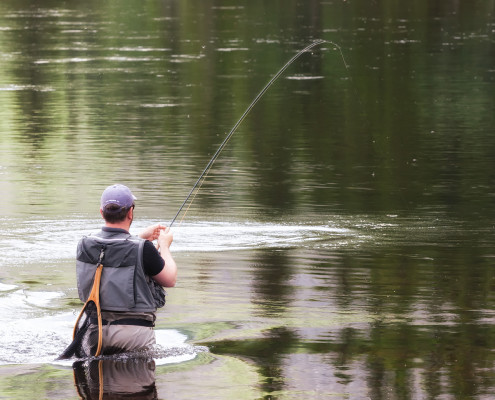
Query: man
[134, 272]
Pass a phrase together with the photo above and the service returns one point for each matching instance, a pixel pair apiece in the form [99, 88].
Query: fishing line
[201, 178]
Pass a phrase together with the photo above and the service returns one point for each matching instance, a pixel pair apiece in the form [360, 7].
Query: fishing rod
[234, 128]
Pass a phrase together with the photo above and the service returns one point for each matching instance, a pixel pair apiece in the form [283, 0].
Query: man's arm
[168, 275]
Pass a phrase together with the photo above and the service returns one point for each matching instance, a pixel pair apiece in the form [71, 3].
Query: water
[342, 244]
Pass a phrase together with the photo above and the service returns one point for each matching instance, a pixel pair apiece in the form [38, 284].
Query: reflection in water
[119, 378]
[271, 289]
[343, 243]
[388, 361]
[268, 352]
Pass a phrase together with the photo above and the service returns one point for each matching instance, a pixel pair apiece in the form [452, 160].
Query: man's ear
[130, 213]
[101, 212]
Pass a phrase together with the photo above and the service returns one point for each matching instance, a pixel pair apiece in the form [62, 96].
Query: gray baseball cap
[119, 195]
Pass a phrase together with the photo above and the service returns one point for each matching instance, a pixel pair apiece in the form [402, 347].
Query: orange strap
[94, 296]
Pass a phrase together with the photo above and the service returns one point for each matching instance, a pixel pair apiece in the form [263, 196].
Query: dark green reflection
[447, 359]
[272, 292]
[268, 353]
[406, 127]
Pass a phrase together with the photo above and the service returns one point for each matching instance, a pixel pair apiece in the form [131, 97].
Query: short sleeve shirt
[153, 263]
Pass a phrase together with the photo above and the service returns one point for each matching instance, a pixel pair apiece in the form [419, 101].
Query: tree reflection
[272, 292]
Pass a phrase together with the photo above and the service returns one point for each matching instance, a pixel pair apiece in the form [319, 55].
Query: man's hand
[165, 238]
[152, 232]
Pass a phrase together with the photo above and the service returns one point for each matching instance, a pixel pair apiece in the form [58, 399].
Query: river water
[342, 245]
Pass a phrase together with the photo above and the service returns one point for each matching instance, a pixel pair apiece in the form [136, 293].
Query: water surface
[342, 244]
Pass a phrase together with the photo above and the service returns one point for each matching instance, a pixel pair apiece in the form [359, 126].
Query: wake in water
[35, 323]
[31, 332]
[49, 241]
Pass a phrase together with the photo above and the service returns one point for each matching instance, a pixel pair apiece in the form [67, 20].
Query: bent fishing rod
[248, 109]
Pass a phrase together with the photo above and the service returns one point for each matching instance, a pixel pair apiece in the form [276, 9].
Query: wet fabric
[124, 338]
[119, 337]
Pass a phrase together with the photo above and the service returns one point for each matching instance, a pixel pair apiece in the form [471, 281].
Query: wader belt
[125, 321]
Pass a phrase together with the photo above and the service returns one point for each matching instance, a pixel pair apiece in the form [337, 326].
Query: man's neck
[122, 225]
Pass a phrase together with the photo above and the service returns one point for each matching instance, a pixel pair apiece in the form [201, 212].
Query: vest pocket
[117, 288]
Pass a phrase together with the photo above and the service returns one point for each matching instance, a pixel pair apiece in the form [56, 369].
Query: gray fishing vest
[124, 285]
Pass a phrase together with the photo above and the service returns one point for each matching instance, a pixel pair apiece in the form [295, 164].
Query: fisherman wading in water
[133, 276]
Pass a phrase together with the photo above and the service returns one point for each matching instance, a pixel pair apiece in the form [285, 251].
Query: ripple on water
[48, 241]
[32, 332]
